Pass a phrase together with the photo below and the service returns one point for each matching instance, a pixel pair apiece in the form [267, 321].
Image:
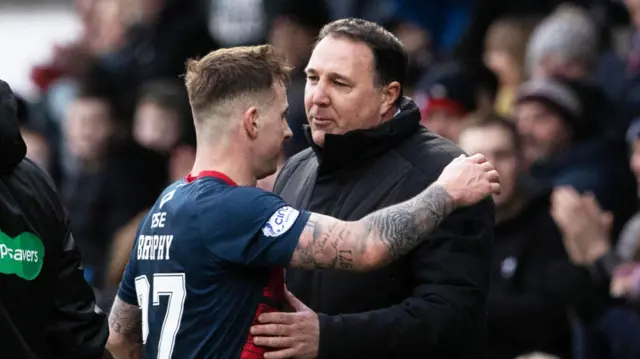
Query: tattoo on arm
[126, 320]
[379, 238]
[402, 226]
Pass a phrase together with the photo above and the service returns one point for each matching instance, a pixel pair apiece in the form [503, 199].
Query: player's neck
[229, 164]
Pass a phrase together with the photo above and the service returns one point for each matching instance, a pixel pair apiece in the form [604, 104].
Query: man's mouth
[321, 121]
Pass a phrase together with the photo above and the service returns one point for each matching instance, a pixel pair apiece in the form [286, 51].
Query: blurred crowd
[549, 91]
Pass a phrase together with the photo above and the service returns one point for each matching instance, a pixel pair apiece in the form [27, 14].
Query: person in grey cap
[565, 43]
[565, 143]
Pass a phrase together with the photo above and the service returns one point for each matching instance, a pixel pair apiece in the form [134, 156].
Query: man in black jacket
[47, 310]
[368, 151]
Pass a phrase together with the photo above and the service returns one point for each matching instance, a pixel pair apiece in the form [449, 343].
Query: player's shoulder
[248, 199]
[210, 194]
[261, 206]
[170, 193]
[245, 208]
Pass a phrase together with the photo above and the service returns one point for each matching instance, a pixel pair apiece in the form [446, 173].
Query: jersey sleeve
[127, 289]
[252, 227]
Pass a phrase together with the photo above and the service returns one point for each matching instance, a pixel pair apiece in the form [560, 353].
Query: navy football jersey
[207, 260]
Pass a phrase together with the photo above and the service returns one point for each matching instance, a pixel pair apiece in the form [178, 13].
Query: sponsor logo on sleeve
[280, 222]
[22, 255]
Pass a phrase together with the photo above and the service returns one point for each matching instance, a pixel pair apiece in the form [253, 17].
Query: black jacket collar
[340, 151]
[12, 147]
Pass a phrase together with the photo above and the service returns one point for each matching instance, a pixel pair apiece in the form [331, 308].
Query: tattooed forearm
[321, 250]
[126, 319]
[377, 239]
[402, 226]
[125, 330]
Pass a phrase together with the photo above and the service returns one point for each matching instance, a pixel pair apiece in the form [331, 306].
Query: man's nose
[320, 96]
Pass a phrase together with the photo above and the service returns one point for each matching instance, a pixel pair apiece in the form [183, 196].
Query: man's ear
[250, 122]
[390, 94]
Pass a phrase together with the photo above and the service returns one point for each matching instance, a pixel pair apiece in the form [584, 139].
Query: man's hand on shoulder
[468, 180]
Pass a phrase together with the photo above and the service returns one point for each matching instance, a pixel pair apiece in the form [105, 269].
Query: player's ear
[250, 122]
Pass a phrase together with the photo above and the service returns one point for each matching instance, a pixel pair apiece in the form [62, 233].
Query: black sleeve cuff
[330, 329]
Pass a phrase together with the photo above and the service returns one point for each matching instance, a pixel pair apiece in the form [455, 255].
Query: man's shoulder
[298, 159]
[34, 175]
[31, 186]
[428, 152]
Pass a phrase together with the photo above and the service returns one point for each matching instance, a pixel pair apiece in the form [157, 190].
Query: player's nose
[287, 131]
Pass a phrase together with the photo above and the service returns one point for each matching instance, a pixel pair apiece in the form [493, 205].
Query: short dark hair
[92, 87]
[169, 94]
[390, 59]
[231, 72]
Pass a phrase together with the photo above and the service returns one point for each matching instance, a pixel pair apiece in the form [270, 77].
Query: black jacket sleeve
[78, 327]
[445, 315]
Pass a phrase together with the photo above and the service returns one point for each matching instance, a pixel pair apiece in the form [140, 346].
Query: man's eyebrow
[332, 75]
[337, 76]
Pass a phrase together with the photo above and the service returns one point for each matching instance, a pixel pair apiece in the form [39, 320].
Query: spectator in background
[294, 32]
[560, 123]
[586, 225]
[525, 312]
[103, 29]
[238, 22]
[162, 115]
[504, 53]
[564, 44]
[114, 179]
[602, 328]
[155, 45]
[486, 12]
[448, 96]
[568, 43]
